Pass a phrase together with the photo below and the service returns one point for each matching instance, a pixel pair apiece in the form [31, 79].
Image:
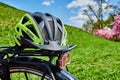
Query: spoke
[43, 77]
[26, 76]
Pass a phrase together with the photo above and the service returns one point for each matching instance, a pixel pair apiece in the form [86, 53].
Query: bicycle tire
[22, 65]
[23, 71]
[19, 70]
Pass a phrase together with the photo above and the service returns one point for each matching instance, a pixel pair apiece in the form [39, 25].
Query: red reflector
[64, 60]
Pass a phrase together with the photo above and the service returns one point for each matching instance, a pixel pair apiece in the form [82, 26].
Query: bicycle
[16, 63]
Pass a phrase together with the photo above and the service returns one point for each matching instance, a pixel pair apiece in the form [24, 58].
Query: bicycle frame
[23, 57]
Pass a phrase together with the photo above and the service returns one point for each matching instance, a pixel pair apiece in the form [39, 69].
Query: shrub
[111, 34]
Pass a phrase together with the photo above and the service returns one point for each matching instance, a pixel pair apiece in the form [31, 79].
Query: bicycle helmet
[41, 29]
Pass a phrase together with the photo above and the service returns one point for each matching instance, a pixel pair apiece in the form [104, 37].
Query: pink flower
[113, 34]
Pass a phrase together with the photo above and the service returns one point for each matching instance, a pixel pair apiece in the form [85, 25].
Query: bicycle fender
[59, 74]
[64, 75]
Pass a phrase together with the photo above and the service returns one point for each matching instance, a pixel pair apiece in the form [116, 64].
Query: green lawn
[93, 59]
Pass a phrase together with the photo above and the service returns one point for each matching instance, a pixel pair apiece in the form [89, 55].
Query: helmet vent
[45, 34]
[25, 19]
[59, 35]
[17, 29]
[52, 28]
[38, 19]
[59, 22]
[30, 27]
[26, 36]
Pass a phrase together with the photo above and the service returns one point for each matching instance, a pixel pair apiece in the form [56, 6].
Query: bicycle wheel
[25, 68]
[24, 72]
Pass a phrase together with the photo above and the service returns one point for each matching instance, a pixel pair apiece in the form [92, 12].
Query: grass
[9, 16]
[93, 59]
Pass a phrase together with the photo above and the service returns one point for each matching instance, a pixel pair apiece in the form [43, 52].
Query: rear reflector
[64, 60]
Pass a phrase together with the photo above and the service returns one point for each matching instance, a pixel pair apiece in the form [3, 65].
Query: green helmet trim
[22, 27]
[28, 32]
[17, 42]
[64, 39]
[31, 21]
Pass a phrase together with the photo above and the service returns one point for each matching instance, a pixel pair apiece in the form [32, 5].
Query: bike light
[64, 60]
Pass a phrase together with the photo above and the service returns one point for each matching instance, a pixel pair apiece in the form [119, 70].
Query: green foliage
[93, 59]
[99, 24]
[110, 20]
[104, 23]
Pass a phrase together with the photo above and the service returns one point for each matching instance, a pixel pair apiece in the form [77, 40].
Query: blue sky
[69, 11]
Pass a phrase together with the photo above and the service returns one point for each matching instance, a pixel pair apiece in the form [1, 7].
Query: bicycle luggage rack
[5, 74]
[15, 50]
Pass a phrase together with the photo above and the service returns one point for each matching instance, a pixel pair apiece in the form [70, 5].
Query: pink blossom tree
[111, 34]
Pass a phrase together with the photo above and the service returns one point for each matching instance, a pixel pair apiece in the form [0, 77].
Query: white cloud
[48, 2]
[79, 3]
[78, 7]
[79, 19]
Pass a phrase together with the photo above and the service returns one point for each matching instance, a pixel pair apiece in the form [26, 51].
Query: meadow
[94, 58]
